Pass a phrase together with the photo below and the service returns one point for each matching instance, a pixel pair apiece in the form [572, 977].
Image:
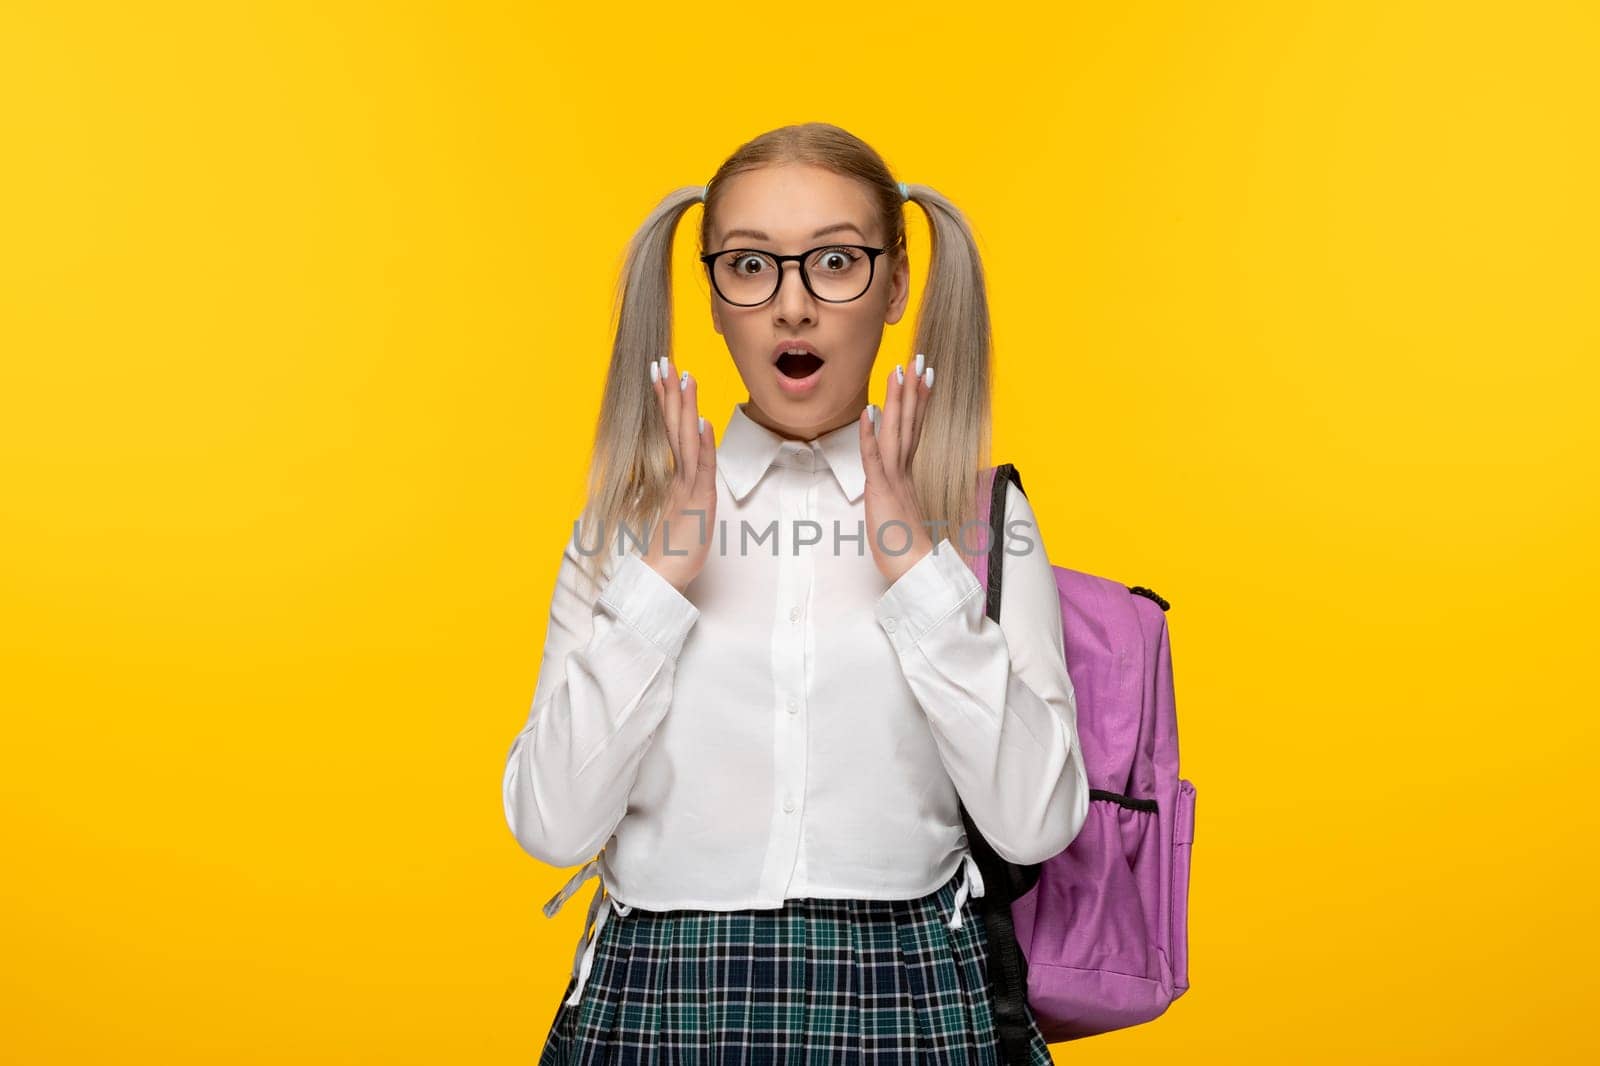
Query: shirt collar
[748, 449]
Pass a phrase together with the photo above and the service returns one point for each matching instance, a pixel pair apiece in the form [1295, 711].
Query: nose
[793, 302]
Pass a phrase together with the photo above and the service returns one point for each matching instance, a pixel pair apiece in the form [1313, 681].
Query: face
[783, 209]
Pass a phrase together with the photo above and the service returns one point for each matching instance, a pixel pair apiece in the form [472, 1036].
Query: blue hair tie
[703, 190]
[904, 193]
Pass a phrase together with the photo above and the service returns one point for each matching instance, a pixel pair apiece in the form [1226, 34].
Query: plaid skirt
[815, 981]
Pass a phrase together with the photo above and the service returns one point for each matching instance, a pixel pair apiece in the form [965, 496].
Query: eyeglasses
[833, 273]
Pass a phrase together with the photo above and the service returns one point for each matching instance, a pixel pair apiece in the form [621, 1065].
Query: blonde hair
[631, 467]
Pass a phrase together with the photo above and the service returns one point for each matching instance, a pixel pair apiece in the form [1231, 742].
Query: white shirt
[793, 726]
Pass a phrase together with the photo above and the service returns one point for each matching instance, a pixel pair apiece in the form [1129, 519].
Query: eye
[836, 260]
[747, 263]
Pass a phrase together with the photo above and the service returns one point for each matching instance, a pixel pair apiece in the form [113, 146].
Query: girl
[769, 678]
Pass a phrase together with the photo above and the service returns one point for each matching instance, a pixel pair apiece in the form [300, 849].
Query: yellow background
[304, 315]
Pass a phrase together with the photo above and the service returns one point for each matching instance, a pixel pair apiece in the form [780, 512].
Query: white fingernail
[663, 362]
[929, 375]
[899, 374]
[919, 362]
[872, 413]
[683, 381]
[655, 372]
[702, 423]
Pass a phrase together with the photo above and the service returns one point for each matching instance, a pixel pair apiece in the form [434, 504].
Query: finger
[673, 400]
[924, 394]
[689, 429]
[659, 383]
[889, 426]
[910, 411]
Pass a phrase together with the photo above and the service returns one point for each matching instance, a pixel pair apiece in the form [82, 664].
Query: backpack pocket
[1094, 925]
[1108, 918]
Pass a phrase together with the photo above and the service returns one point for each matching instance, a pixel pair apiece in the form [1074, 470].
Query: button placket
[804, 655]
[789, 652]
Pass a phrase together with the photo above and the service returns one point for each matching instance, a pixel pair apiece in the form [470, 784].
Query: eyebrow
[823, 232]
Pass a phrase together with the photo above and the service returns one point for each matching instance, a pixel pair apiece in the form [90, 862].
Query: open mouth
[798, 364]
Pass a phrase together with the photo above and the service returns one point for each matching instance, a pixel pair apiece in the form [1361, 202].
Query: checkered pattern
[819, 981]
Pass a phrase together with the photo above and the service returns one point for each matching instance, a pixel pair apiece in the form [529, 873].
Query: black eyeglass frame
[709, 259]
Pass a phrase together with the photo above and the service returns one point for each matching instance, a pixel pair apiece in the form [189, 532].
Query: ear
[899, 292]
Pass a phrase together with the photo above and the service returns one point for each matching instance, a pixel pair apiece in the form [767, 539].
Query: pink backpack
[1097, 936]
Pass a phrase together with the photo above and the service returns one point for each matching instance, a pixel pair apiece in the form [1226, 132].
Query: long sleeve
[998, 698]
[605, 683]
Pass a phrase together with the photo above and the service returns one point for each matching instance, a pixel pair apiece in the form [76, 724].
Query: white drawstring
[971, 883]
[583, 958]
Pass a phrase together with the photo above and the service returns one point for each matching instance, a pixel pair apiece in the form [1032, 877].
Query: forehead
[789, 203]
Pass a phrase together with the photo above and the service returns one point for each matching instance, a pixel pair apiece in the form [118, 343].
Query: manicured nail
[655, 372]
[919, 363]
[899, 374]
[872, 414]
[683, 381]
[702, 423]
[663, 362]
[929, 375]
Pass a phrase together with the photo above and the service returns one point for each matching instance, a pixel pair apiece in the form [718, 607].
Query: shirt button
[794, 705]
[794, 614]
[889, 624]
[788, 805]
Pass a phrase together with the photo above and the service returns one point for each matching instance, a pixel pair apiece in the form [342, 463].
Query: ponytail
[953, 333]
[630, 471]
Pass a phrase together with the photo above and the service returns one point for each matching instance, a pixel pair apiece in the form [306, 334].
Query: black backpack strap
[1008, 966]
[1003, 881]
[1003, 473]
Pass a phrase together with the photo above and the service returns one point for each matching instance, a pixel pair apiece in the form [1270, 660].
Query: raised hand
[691, 511]
[886, 451]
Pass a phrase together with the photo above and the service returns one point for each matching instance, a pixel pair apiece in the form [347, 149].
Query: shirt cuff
[649, 603]
[937, 586]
